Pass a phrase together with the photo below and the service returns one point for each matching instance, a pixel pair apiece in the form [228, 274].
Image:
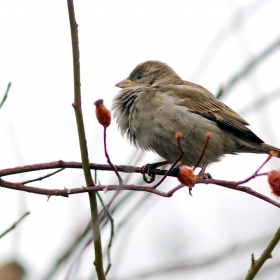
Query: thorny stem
[66, 192]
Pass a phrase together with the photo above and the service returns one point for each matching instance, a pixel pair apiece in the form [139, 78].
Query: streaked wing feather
[202, 102]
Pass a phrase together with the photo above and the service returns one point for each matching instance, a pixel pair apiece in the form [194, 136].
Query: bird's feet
[147, 169]
[202, 175]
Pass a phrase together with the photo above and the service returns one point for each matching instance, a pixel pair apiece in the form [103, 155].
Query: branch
[66, 192]
[75, 165]
[112, 233]
[256, 265]
[233, 185]
[128, 169]
[182, 265]
[83, 144]
[108, 157]
[75, 243]
[5, 95]
[42, 177]
[250, 66]
[14, 224]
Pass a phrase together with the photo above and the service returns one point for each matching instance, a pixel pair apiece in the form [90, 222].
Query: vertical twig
[83, 145]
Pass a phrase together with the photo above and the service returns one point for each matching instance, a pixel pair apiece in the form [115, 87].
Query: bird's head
[151, 73]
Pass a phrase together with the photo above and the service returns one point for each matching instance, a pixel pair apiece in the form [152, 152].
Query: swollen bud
[209, 134]
[178, 135]
[274, 181]
[273, 154]
[103, 115]
[185, 175]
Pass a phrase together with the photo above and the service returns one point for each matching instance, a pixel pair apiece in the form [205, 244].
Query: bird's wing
[200, 101]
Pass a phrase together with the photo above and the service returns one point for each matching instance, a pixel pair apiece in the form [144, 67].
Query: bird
[155, 103]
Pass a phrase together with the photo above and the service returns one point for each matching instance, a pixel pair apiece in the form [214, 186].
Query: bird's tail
[267, 148]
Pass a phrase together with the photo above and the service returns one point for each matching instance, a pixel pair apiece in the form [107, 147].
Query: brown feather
[200, 101]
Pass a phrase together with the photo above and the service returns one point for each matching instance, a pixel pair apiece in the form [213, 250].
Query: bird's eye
[139, 76]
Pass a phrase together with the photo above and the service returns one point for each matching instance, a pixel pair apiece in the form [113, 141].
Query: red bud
[274, 181]
[186, 176]
[102, 113]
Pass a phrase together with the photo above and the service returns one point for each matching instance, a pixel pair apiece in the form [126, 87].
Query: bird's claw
[147, 169]
[204, 176]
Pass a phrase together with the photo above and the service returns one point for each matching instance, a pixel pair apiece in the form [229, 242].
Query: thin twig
[255, 173]
[68, 253]
[253, 261]
[266, 254]
[108, 158]
[14, 224]
[5, 95]
[233, 186]
[251, 65]
[77, 259]
[185, 265]
[208, 136]
[259, 103]
[42, 177]
[111, 234]
[175, 162]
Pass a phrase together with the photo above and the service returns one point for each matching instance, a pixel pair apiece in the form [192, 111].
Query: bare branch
[42, 177]
[250, 66]
[75, 165]
[77, 105]
[257, 264]
[66, 192]
[111, 234]
[14, 224]
[5, 95]
[233, 185]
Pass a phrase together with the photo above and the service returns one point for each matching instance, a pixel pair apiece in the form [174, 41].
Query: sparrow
[155, 103]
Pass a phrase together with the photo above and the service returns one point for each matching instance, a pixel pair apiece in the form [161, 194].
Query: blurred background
[234, 45]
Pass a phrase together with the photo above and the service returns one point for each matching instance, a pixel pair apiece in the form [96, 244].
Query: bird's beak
[124, 83]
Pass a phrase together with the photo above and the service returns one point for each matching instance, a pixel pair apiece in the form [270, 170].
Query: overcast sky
[206, 42]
